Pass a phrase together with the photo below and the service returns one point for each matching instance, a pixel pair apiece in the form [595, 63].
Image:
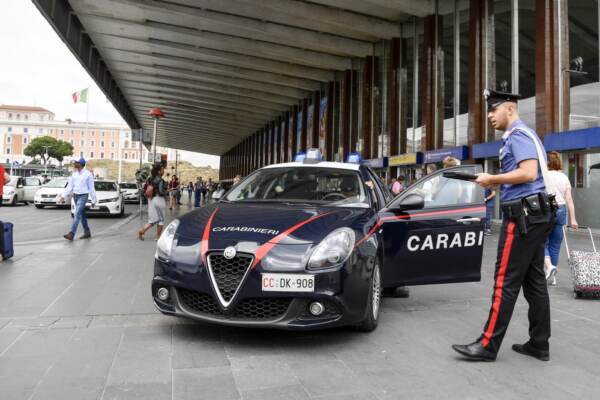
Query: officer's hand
[574, 224]
[484, 180]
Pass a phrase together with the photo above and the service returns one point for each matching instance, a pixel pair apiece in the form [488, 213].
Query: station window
[102, 156]
[24, 139]
[9, 115]
[8, 139]
[9, 129]
[91, 154]
[8, 150]
[25, 130]
[26, 117]
[81, 154]
[92, 143]
[102, 143]
[126, 156]
[82, 143]
[583, 72]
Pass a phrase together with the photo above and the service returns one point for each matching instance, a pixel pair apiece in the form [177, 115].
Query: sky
[37, 69]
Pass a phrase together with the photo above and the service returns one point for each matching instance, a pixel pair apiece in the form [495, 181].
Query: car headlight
[333, 250]
[166, 242]
[10, 191]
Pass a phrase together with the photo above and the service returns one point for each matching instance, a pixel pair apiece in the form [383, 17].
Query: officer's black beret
[495, 98]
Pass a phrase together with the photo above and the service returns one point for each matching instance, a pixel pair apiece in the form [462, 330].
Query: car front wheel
[14, 200]
[373, 301]
[39, 206]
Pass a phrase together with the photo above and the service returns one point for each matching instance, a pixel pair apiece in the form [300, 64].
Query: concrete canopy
[220, 69]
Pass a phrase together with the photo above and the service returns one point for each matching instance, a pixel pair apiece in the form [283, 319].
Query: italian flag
[81, 96]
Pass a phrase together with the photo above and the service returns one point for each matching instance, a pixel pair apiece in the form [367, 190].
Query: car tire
[122, 210]
[26, 202]
[371, 320]
[39, 206]
[14, 200]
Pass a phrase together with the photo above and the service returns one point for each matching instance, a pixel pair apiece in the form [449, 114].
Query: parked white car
[20, 190]
[47, 195]
[109, 200]
[130, 191]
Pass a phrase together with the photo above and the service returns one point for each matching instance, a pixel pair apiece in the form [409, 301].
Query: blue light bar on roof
[314, 155]
[354, 158]
[300, 156]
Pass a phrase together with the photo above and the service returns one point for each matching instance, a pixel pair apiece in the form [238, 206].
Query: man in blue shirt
[527, 219]
[81, 185]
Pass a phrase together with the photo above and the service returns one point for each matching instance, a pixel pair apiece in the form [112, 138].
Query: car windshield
[57, 183]
[127, 185]
[105, 186]
[336, 187]
[13, 181]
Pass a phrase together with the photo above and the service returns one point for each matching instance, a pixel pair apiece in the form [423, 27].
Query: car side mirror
[411, 202]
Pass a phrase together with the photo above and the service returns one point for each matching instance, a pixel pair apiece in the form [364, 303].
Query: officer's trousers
[519, 262]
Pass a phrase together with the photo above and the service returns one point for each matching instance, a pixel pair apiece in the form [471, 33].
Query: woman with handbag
[156, 189]
[564, 200]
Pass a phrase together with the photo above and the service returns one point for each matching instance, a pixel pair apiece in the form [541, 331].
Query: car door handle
[468, 220]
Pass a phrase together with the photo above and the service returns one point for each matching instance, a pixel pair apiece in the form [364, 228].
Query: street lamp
[156, 113]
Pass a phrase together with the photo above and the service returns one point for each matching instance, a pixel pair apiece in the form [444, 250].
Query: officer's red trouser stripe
[487, 335]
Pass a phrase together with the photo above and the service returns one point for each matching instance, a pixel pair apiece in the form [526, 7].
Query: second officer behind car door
[528, 216]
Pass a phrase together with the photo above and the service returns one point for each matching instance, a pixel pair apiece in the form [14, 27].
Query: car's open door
[433, 232]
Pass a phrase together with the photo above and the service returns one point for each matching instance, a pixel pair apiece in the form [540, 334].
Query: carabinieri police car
[312, 244]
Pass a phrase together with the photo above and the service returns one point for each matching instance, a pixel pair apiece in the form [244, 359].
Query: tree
[46, 147]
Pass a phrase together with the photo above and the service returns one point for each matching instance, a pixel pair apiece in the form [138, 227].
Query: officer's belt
[533, 209]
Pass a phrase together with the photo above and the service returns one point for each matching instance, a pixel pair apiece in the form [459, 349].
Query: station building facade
[19, 125]
[419, 96]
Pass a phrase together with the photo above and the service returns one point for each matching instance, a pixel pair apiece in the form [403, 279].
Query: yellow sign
[403, 159]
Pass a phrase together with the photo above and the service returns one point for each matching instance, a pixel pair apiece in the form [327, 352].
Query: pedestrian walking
[190, 190]
[198, 188]
[564, 200]
[4, 179]
[173, 188]
[156, 190]
[528, 217]
[81, 186]
[490, 200]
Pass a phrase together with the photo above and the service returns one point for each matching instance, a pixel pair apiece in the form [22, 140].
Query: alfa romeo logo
[229, 252]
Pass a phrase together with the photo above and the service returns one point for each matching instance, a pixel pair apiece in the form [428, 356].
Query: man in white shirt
[81, 185]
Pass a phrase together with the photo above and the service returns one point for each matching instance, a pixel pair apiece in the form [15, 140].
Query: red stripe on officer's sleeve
[510, 229]
[262, 251]
[205, 237]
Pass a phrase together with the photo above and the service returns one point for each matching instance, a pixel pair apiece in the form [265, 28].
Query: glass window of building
[25, 130]
[102, 144]
[41, 130]
[462, 123]
[91, 154]
[8, 150]
[81, 154]
[24, 139]
[9, 115]
[18, 116]
[526, 83]
[10, 129]
[446, 64]
[102, 155]
[583, 72]
[26, 117]
[92, 143]
[83, 143]
[408, 81]
[126, 156]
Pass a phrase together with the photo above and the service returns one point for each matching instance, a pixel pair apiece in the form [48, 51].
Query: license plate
[288, 283]
[47, 201]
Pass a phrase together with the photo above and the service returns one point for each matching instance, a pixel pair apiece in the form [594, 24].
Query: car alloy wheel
[376, 288]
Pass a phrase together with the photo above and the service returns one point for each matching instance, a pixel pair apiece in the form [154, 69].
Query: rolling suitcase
[7, 237]
[585, 266]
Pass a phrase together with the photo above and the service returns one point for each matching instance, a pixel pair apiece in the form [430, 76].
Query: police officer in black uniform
[528, 216]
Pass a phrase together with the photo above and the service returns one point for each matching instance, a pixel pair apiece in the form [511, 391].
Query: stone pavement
[77, 322]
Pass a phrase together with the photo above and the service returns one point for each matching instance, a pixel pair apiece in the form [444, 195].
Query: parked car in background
[48, 193]
[21, 190]
[109, 200]
[130, 191]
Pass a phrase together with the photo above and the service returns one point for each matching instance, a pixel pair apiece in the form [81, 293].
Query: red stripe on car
[487, 335]
[262, 251]
[206, 236]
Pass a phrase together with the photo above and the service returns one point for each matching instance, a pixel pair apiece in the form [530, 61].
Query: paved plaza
[77, 322]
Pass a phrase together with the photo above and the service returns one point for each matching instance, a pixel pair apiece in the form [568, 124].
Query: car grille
[248, 309]
[48, 196]
[228, 274]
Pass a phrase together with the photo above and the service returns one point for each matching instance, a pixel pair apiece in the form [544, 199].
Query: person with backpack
[155, 191]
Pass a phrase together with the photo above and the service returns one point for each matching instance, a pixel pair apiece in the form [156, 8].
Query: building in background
[92, 141]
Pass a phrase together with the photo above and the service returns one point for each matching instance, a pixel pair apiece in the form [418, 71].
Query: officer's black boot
[474, 351]
[529, 350]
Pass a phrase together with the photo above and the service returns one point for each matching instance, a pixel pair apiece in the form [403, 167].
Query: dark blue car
[308, 245]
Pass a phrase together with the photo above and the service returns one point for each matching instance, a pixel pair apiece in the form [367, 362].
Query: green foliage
[46, 147]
